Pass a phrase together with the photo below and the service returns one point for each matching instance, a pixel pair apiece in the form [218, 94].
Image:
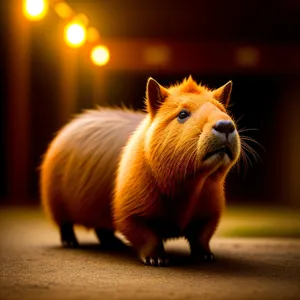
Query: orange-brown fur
[163, 187]
[78, 170]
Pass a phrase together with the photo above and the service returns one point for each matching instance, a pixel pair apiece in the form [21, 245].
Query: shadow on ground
[33, 265]
[226, 264]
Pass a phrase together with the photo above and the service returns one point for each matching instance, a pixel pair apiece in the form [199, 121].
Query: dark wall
[3, 166]
[254, 103]
[44, 90]
[3, 102]
[265, 21]
[256, 100]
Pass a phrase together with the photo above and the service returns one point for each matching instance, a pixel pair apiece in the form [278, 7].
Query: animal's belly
[165, 228]
[92, 212]
[171, 228]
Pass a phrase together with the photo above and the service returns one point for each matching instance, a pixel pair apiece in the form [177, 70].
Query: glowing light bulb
[75, 34]
[35, 9]
[100, 55]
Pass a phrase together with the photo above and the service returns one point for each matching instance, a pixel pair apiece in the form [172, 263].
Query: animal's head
[189, 130]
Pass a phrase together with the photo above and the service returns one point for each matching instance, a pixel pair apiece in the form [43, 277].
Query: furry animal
[78, 172]
[170, 180]
[167, 182]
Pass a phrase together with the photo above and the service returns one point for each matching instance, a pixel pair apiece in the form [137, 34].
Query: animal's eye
[183, 115]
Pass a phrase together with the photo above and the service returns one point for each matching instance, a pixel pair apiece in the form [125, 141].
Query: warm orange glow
[75, 34]
[157, 55]
[63, 10]
[35, 9]
[92, 34]
[100, 55]
[247, 56]
[82, 19]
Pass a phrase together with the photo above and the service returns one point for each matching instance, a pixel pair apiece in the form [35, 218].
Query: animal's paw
[155, 261]
[203, 257]
[67, 236]
[70, 243]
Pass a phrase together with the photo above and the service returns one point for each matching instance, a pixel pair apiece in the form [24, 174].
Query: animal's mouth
[221, 150]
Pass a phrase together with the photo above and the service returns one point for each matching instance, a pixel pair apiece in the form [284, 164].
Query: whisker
[232, 104]
[244, 160]
[250, 150]
[243, 140]
[244, 129]
[247, 138]
[247, 163]
[237, 166]
[247, 151]
[238, 120]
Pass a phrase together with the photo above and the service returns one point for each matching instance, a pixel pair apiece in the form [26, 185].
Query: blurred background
[48, 73]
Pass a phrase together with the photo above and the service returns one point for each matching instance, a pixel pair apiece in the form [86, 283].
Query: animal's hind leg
[108, 240]
[67, 236]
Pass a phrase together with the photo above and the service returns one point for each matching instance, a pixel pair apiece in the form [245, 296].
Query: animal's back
[78, 170]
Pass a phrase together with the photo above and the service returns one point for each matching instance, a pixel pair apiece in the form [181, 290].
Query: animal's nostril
[224, 126]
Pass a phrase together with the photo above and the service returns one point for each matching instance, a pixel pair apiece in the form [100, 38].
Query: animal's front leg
[148, 244]
[199, 234]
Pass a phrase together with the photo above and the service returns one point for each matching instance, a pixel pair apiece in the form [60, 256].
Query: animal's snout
[224, 126]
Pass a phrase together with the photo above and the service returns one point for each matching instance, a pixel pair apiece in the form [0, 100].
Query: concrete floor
[34, 266]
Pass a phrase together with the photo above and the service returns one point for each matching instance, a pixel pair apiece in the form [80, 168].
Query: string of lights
[77, 30]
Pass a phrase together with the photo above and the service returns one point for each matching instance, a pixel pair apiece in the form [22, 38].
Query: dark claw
[155, 261]
[67, 236]
[70, 243]
[203, 257]
[209, 257]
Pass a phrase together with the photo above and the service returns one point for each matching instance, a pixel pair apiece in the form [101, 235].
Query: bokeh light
[63, 10]
[75, 34]
[82, 19]
[92, 34]
[100, 55]
[35, 9]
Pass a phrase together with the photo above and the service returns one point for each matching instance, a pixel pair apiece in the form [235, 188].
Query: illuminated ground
[34, 266]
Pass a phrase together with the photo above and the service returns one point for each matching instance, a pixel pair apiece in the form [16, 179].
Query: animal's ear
[223, 93]
[155, 95]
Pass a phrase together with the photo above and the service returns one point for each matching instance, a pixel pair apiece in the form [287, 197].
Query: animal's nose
[224, 126]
